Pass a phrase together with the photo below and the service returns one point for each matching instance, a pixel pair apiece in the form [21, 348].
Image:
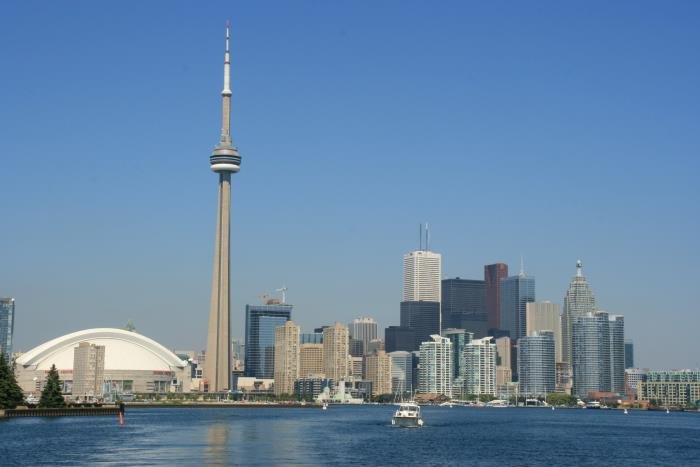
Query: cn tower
[224, 161]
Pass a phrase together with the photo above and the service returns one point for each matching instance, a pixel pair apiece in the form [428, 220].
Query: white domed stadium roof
[124, 350]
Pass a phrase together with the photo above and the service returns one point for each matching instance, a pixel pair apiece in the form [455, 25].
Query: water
[358, 435]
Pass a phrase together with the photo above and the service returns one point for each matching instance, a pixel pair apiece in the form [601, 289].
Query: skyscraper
[311, 360]
[423, 318]
[435, 373]
[459, 338]
[286, 369]
[378, 371]
[7, 325]
[617, 354]
[401, 372]
[536, 364]
[335, 352]
[629, 354]
[504, 362]
[399, 338]
[224, 161]
[363, 329]
[463, 301]
[516, 293]
[579, 300]
[545, 316]
[590, 345]
[493, 275]
[421, 276]
[480, 367]
[260, 324]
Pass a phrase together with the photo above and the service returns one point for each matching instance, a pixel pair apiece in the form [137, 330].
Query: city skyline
[83, 257]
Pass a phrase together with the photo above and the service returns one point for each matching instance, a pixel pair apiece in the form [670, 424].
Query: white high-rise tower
[421, 276]
[224, 161]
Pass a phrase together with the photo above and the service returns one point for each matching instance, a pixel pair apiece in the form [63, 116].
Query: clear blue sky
[555, 130]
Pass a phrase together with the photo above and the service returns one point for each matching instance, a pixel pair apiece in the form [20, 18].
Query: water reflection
[216, 450]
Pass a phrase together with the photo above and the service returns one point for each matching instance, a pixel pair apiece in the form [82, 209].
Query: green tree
[556, 398]
[10, 393]
[51, 396]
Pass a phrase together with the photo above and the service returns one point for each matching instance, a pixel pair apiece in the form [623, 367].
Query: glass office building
[629, 354]
[459, 339]
[260, 324]
[7, 324]
[591, 353]
[536, 364]
[423, 318]
[617, 354]
[462, 300]
[516, 293]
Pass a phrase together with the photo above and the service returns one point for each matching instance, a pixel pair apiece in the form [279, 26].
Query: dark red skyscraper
[493, 273]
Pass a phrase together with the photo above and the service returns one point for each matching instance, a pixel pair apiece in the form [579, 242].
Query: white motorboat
[407, 415]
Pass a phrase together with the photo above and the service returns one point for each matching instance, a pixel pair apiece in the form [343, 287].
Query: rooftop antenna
[522, 266]
[420, 235]
[427, 237]
[578, 268]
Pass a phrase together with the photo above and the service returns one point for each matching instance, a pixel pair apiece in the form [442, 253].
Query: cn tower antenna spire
[224, 161]
[226, 92]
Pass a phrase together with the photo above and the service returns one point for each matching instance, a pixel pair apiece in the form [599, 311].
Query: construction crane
[284, 293]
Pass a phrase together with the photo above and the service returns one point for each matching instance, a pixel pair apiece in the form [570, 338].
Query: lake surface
[356, 435]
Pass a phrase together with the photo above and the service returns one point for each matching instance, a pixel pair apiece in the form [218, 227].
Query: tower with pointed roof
[224, 161]
[578, 301]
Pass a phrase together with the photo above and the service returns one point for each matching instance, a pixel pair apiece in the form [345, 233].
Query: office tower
[435, 372]
[378, 371]
[7, 325]
[423, 318]
[356, 368]
[629, 354]
[88, 370]
[363, 329]
[335, 352]
[286, 368]
[399, 338]
[545, 316]
[260, 324]
[493, 275]
[356, 347]
[459, 338]
[504, 370]
[310, 360]
[421, 276]
[536, 363]
[480, 367]
[516, 293]
[463, 301]
[224, 161]
[401, 372]
[578, 300]
[311, 338]
[374, 345]
[617, 354]
[590, 345]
